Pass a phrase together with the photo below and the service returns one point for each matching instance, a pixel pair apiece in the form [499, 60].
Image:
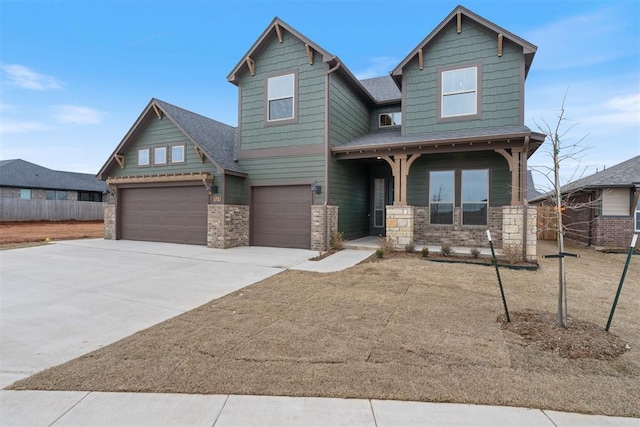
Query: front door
[381, 196]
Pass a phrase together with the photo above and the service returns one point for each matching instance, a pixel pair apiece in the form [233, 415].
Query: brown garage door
[281, 216]
[164, 214]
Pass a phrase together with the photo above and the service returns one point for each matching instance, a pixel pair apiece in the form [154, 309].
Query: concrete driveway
[65, 299]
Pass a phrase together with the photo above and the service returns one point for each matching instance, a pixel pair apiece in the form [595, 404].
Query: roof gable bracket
[252, 65]
[499, 44]
[309, 50]
[200, 154]
[459, 22]
[120, 159]
[157, 111]
[278, 31]
[420, 59]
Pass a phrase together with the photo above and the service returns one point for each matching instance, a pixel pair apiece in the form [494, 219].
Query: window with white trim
[441, 197]
[143, 157]
[474, 197]
[459, 92]
[160, 156]
[281, 97]
[390, 119]
[177, 154]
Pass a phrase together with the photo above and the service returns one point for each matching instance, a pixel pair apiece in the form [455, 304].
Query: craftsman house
[435, 152]
[602, 209]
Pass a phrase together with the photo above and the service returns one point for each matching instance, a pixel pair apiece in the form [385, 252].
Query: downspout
[327, 149]
[525, 202]
[590, 235]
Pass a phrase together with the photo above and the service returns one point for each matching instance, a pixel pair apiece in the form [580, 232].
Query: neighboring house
[22, 180]
[602, 209]
[434, 153]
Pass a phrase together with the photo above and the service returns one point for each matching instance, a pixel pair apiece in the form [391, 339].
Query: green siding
[350, 191]
[287, 171]
[349, 115]
[290, 55]
[499, 175]
[236, 190]
[163, 133]
[500, 85]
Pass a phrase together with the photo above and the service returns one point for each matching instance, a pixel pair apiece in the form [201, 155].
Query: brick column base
[227, 226]
[324, 223]
[110, 222]
[514, 229]
[399, 226]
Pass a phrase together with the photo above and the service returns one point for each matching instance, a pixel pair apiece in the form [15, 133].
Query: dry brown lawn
[15, 234]
[399, 329]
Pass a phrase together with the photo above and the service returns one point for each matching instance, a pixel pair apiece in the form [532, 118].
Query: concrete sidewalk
[36, 408]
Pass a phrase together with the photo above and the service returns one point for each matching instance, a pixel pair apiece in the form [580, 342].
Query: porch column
[514, 161]
[400, 165]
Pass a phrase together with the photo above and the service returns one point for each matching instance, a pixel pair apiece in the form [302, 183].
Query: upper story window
[160, 156]
[390, 119]
[475, 197]
[143, 157]
[177, 154]
[281, 97]
[459, 92]
[441, 197]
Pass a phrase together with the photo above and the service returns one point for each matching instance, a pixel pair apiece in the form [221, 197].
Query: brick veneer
[324, 222]
[456, 235]
[109, 221]
[400, 226]
[227, 226]
[613, 231]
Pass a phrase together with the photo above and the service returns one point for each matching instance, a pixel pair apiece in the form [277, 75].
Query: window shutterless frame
[160, 156]
[389, 119]
[474, 196]
[177, 154]
[442, 191]
[143, 157]
[459, 92]
[281, 98]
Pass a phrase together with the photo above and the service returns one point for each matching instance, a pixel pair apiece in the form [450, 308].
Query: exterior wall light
[316, 188]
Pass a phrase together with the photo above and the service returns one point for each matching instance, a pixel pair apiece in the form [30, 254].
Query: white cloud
[10, 126]
[584, 39]
[25, 78]
[378, 66]
[77, 114]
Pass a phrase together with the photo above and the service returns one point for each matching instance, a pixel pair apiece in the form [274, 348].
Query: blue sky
[75, 75]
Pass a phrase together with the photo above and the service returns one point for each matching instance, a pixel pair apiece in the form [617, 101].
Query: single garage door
[164, 214]
[281, 216]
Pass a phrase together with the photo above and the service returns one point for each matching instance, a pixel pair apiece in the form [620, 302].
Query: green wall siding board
[348, 114]
[237, 192]
[350, 191]
[500, 85]
[499, 174]
[290, 55]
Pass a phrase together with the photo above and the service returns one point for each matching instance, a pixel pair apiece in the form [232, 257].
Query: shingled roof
[22, 174]
[625, 174]
[216, 139]
[382, 89]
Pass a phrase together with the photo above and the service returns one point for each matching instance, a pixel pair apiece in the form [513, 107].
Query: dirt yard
[23, 233]
[403, 328]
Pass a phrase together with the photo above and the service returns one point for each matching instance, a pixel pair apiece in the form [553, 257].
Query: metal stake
[495, 263]
[624, 273]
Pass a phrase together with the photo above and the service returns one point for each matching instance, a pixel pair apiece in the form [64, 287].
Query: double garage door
[164, 214]
[281, 216]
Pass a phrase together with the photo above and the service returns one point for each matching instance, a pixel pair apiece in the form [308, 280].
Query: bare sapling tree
[563, 150]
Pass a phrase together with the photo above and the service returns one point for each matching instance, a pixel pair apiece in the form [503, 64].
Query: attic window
[281, 97]
[390, 119]
[143, 157]
[177, 154]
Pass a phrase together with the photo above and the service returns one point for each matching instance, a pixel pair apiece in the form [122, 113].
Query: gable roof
[278, 25]
[215, 139]
[23, 174]
[528, 49]
[625, 174]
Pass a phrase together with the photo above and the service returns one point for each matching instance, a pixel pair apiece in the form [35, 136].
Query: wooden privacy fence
[547, 223]
[49, 210]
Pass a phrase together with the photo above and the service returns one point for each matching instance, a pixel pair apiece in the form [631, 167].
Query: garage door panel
[281, 216]
[165, 214]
